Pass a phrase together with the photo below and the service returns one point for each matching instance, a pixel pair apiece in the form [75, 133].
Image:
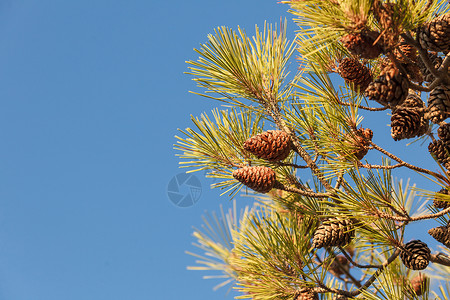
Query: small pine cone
[339, 260]
[436, 62]
[419, 284]
[352, 70]
[413, 101]
[335, 232]
[389, 89]
[438, 104]
[273, 145]
[444, 132]
[441, 234]
[261, 179]
[441, 151]
[307, 295]
[362, 44]
[416, 255]
[440, 203]
[407, 123]
[405, 53]
[435, 35]
[359, 142]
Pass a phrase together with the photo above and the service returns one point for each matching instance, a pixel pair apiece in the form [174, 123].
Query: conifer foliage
[330, 220]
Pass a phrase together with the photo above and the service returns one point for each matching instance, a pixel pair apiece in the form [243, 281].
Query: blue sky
[92, 93]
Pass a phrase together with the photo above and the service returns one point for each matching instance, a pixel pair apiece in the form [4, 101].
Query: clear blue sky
[92, 93]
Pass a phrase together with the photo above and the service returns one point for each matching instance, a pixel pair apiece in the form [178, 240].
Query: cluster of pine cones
[399, 65]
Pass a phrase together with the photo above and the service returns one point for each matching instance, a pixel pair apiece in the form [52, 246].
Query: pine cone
[419, 284]
[343, 262]
[352, 70]
[362, 44]
[441, 151]
[389, 89]
[436, 62]
[416, 255]
[407, 123]
[405, 53]
[273, 145]
[335, 232]
[413, 101]
[360, 142]
[307, 295]
[440, 203]
[441, 234]
[438, 104]
[435, 35]
[444, 132]
[261, 179]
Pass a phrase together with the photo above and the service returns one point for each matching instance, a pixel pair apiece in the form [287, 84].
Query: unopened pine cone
[390, 88]
[259, 178]
[273, 145]
[444, 132]
[441, 152]
[419, 284]
[353, 71]
[334, 232]
[360, 142]
[435, 35]
[441, 234]
[441, 203]
[416, 255]
[362, 44]
[438, 104]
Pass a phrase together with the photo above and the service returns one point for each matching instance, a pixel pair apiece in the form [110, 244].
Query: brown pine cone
[441, 234]
[407, 123]
[343, 262]
[261, 179]
[353, 71]
[389, 89]
[435, 35]
[413, 101]
[438, 104]
[359, 142]
[334, 232]
[444, 132]
[440, 151]
[405, 53]
[419, 284]
[362, 44]
[273, 145]
[416, 255]
[441, 203]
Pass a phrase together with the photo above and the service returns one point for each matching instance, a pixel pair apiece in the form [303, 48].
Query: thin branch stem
[441, 259]
[349, 258]
[280, 186]
[412, 167]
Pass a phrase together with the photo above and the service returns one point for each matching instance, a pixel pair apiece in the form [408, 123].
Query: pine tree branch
[343, 270]
[441, 259]
[349, 258]
[412, 167]
[323, 288]
[281, 186]
[274, 111]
